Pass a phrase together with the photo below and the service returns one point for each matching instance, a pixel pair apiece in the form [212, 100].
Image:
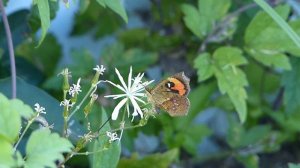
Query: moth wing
[176, 106]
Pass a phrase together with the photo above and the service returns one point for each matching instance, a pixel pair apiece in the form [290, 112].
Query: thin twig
[11, 51]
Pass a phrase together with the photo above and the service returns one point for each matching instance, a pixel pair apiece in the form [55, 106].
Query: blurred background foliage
[244, 70]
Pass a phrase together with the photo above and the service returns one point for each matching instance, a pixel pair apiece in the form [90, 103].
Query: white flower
[100, 70]
[112, 136]
[75, 89]
[39, 109]
[66, 103]
[132, 93]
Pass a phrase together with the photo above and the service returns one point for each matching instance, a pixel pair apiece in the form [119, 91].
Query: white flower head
[112, 136]
[39, 109]
[66, 103]
[75, 89]
[132, 93]
[100, 69]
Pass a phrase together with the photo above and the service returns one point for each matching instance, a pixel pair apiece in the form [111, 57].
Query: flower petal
[116, 96]
[136, 106]
[129, 77]
[121, 79]
[116, 111]
[116, 85]
[127, 106]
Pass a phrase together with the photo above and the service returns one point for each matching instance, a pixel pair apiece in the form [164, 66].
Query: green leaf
[193, 136]
[109, 157]
[267, 42]
[18, 27]
[159, 160]
[45, 57]
[201, 21]
[30, 95]
[116, 6]
[44, 12]
[272, 59]
[192, 20]
[23, 109]
[292, 165]
[6, 152]
[229, 56]
[116, 56]
[10, 120]
[291, 83]
[249, 161]
[44, 148]
[280, 21]
[231, 79]
[203, 64]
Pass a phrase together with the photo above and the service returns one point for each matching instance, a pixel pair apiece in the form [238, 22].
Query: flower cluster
[112, 136]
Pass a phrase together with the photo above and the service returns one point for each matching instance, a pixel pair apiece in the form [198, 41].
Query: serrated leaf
[269, 58]
[159, 160]
[6, 153]
[10, 120]
[116, 6]
[23, 109]
[44, 13]
[203, 64]
[109, 157]
[30, 95]
[44, 148]
[192, 20]
[231, 79]
[201, 21]
[267, 42]
[229, 56]
[291, 83]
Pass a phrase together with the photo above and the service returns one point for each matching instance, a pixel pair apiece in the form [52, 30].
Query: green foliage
[44, 11]
[159, 160]
[291, 81]
[6, 153]
[18, 28]
[109, 157]
[231, 80]
[279, 20]
[108, 23]
[201, 21]
[182, 132]
[45, 57]
[268, 43]
[30, 94]
[10, 120]
[116, 56]
[116, 6]
[44, 148]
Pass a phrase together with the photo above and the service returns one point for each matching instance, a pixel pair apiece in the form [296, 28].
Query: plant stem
[88, 153]
[80, 104]
[11, 51]
[23, 133]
